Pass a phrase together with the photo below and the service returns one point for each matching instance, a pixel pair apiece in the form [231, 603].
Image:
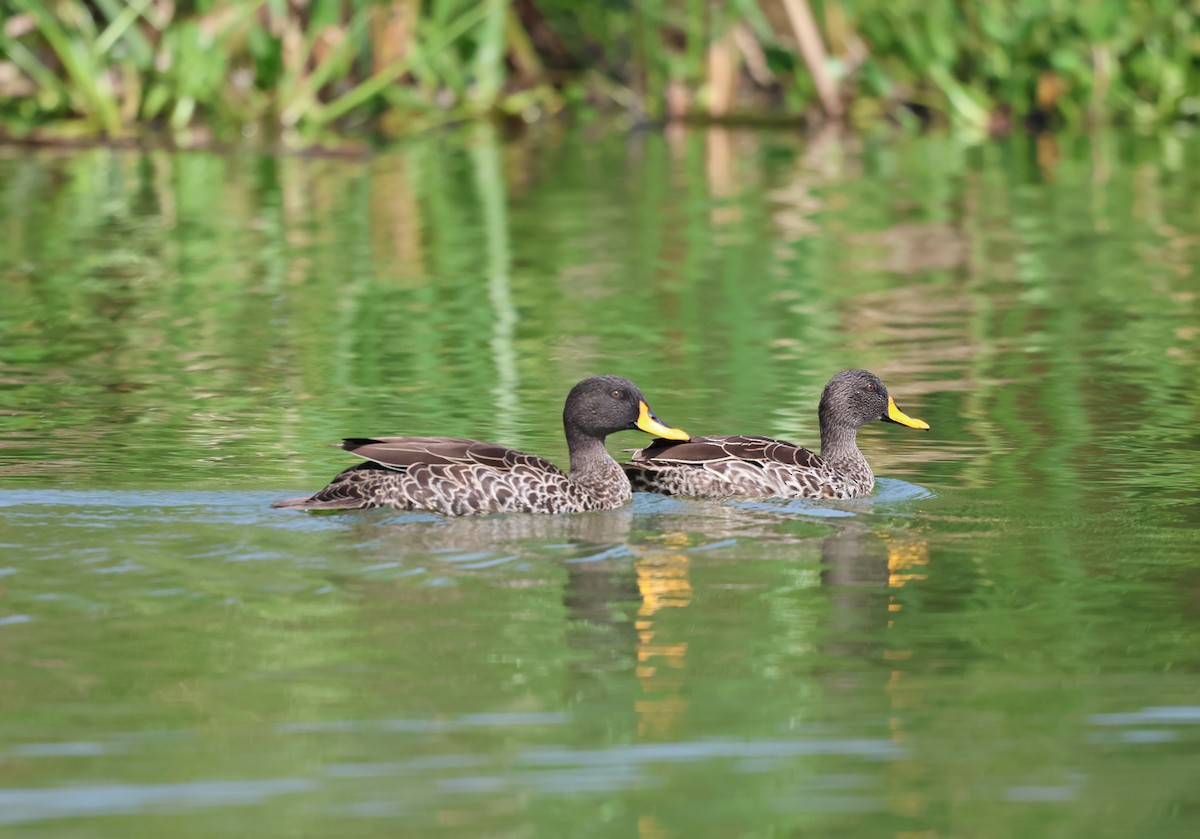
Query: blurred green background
[305, 72]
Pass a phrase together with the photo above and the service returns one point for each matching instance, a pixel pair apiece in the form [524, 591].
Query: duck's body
[744, 466]
[762, 467]
[459, 477]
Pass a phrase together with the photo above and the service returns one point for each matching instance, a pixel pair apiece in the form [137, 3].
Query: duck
[454, 476]
[763, 467]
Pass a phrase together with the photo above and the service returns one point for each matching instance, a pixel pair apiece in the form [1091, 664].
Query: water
[1003, 641]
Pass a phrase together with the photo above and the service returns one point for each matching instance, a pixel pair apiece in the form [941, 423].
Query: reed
[308, 70]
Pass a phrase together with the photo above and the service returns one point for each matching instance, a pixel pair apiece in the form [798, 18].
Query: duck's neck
[839, 448]
[594, 470]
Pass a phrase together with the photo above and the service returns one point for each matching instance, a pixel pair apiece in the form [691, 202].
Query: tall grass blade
[303, 99]
[363, 93]
[52, 91]
[489, 52]
[122, 17]
[92, 92]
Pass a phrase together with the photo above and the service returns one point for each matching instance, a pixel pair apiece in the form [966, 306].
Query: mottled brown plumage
[460, 477]
[747, 466]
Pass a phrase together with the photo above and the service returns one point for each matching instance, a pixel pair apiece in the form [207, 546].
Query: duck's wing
[709, 451]
[449, 475]
[403, 453]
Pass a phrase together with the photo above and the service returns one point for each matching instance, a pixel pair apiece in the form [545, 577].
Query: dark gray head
[856, 397]
[601, 405]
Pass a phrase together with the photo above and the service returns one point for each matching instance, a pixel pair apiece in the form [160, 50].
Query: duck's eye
[871, 387]
[616, 394]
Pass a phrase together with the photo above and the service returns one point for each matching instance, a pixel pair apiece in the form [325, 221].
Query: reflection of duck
[597, 542]
[854, 569]
[475, 542]
[761, 466]
[459, 477]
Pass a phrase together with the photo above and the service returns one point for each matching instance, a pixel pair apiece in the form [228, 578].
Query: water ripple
[61, 750]
[684, 752]
[1164, 715]
[29, 805]
[422, 725]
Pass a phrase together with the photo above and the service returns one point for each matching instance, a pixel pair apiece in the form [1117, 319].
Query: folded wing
[403, 453]
[708, 451]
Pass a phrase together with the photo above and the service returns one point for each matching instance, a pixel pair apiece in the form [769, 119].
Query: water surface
[1003, 641]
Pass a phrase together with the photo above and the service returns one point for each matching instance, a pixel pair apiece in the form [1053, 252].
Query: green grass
[305, 73]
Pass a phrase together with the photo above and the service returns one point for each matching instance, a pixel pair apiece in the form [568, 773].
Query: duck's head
[856, 397]
[602, 405]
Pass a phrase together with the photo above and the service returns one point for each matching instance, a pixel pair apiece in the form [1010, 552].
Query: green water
[1003, 641]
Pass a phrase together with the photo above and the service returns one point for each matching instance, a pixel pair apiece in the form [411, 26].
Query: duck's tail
[310, 503]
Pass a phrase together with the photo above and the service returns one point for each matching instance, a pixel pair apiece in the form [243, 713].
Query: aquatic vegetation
[230, 70]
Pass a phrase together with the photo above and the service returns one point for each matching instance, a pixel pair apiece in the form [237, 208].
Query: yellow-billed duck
[457, 477]
[761, 467]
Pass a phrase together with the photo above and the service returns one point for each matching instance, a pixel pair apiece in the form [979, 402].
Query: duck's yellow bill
[652, 425]
[894, 414]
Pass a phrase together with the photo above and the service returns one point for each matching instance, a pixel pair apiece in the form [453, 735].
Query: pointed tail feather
[310, 503]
